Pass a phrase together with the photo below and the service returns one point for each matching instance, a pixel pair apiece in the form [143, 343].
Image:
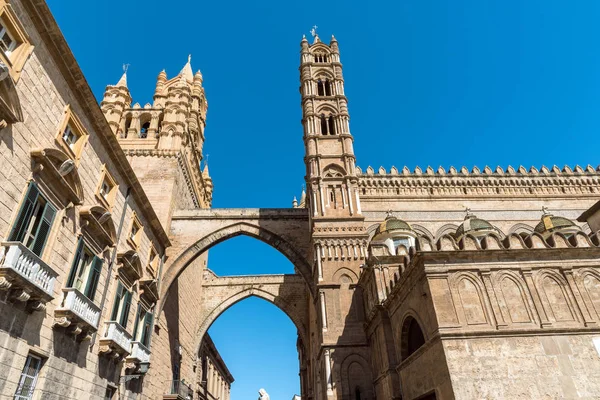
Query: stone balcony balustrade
[116, 340]
[139, 353]
[27, 277]
[77, 312]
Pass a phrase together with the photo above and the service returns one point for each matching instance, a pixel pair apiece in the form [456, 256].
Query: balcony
[116, 341]
[26, 275]
[179, 390]
[77, 312]
[139, 353]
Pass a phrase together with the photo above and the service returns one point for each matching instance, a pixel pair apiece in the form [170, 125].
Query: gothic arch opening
[259, 345]
[192, 252]
[412, 337]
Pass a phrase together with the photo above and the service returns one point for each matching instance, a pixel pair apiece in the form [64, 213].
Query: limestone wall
[533, 367]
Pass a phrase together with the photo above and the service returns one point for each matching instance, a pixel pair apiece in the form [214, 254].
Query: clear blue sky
[452, 82]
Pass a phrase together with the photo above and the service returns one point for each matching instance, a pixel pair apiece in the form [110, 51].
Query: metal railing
[27, 265]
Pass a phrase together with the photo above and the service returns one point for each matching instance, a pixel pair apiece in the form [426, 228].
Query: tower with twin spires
[164, 140]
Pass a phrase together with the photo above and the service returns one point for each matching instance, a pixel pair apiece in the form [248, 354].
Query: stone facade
[400, 291]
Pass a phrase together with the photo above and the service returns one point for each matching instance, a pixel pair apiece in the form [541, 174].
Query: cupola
[550, 224]
[390, 234]
[474, 226]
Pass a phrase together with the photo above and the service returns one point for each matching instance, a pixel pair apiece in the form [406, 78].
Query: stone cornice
[565, 182]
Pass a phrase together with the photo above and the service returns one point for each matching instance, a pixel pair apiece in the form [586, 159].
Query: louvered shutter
[93, 278]
[137, 322]
[118, 298]
[147, 328]
[24, 217]
[43, 229]
[125, 310]
[76, 260]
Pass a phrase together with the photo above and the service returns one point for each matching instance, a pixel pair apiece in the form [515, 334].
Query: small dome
[474, 225]
[392, 223]
[551, 223]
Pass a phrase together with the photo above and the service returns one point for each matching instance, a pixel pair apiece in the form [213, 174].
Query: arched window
[331, 125]
[327, 87]
[323, 125]
[320, 88]
[127, 125]
[144, 130]
[412, 337]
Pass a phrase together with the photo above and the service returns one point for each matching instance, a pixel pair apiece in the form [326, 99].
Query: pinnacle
[186, 71]
[123, 81]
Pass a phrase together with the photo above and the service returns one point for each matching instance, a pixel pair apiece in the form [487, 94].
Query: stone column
[323, 310]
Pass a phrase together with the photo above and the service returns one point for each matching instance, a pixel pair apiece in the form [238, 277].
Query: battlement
[487, 182]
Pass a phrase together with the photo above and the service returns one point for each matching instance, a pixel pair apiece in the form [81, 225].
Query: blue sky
[454, 82]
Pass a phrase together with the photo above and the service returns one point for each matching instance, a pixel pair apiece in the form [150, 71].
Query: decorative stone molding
[499, 182]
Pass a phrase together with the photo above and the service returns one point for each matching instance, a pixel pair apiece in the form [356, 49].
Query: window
[320, 88]
[14, 43]
[143, 326]
[85, 272]
[28, 378]
[331, 125]
[71, 136]
[323, 125]
[412, 337]
[153, 261]
[120, 312]
[110, 393]
[135, 232]
[7, 41]
[327, 87]
[107, 189]
[144, 130]
[34, 221]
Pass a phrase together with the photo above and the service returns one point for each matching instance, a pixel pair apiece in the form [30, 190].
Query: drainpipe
[112, 260]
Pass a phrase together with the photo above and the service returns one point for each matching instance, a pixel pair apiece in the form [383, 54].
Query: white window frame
[24, 376]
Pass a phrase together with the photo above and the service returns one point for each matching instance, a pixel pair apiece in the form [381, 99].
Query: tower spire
[186, 71]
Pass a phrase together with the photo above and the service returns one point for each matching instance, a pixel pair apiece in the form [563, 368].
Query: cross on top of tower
[313, 31]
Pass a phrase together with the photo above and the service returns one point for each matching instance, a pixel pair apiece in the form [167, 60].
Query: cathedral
[458, 283]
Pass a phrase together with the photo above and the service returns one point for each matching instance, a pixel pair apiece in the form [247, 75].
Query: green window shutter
[93, 278]
[43, 229]
[126, 307]
[118, 299]
[137, 322]
[147, 328]
[24, 217]
[78, 255]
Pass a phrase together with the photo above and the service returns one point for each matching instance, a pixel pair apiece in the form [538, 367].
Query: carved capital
[75, 330]
[62, 322]
[5, 284]
[36, 305]
[21, 295]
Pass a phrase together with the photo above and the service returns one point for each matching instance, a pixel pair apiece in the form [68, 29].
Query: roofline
[218, 357]
[62, 55]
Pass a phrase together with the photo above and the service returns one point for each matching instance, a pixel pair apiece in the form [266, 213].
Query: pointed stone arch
[286, 292]
[219, 235]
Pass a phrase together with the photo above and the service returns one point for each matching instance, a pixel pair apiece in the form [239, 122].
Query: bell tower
[163, 140]
[338, 234]
[330, 161]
